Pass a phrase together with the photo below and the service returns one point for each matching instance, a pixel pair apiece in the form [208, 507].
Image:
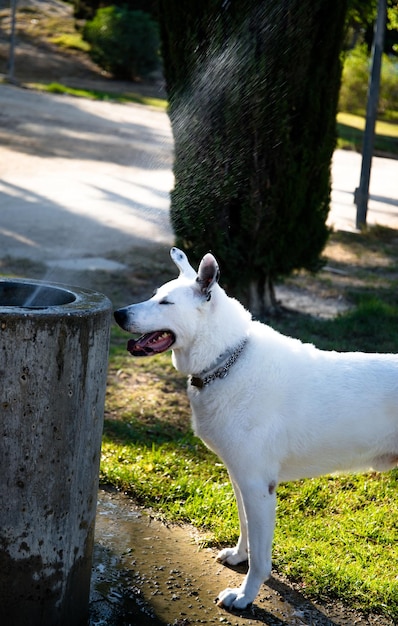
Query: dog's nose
[121, 317]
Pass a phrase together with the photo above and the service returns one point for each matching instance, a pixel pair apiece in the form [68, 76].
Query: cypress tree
[253, 89]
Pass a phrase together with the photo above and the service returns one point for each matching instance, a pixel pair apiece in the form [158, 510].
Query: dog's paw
[232, 556]
[233, 599]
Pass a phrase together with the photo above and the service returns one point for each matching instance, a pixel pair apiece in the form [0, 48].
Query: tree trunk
[262, 300]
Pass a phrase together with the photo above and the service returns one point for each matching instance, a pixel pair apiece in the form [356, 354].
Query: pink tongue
[151, 343]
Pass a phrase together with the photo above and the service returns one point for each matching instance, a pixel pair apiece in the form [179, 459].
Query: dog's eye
[165, 301]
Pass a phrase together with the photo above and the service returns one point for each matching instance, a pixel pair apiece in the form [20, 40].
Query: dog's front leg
[259, 501]
[239, 553]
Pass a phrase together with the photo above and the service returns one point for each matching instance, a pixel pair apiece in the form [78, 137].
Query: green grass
[95, 94]
[369, 327]
[350, 133]
[150, 452]
[337, 537]
[71, 41]
[180, 478]
[356, 121]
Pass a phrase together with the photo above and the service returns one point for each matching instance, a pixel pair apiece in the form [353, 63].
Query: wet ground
[146, 573]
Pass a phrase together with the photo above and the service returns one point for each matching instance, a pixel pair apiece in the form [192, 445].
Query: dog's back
[316, 411]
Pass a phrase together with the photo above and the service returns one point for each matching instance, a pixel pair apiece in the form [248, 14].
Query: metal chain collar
[221, 372]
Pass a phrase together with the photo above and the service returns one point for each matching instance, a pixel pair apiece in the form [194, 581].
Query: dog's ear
[208, 274]
[180, 259]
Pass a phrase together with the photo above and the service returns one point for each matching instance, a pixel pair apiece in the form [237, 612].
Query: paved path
[383, 198]
[81, 179]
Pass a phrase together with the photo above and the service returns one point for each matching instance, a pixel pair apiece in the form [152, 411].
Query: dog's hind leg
[238, 554]
[259, 501]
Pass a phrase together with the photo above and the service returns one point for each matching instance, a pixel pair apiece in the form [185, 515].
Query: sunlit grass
[350, 134]
[356, 121]
[150, 451]
[96, 94]
[338, 536]
[73, 41]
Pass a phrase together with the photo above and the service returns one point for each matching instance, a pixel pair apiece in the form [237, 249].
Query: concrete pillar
[53, 364]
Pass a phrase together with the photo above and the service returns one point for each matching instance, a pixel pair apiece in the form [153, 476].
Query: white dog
[272, 408]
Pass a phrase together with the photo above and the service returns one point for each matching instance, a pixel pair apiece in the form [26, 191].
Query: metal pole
[11, 58]
[361, 195]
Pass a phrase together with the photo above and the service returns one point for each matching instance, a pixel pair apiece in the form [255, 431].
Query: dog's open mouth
[151, 343]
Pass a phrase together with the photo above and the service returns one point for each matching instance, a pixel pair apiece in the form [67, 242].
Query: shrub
[355, 79]
[123, 42]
